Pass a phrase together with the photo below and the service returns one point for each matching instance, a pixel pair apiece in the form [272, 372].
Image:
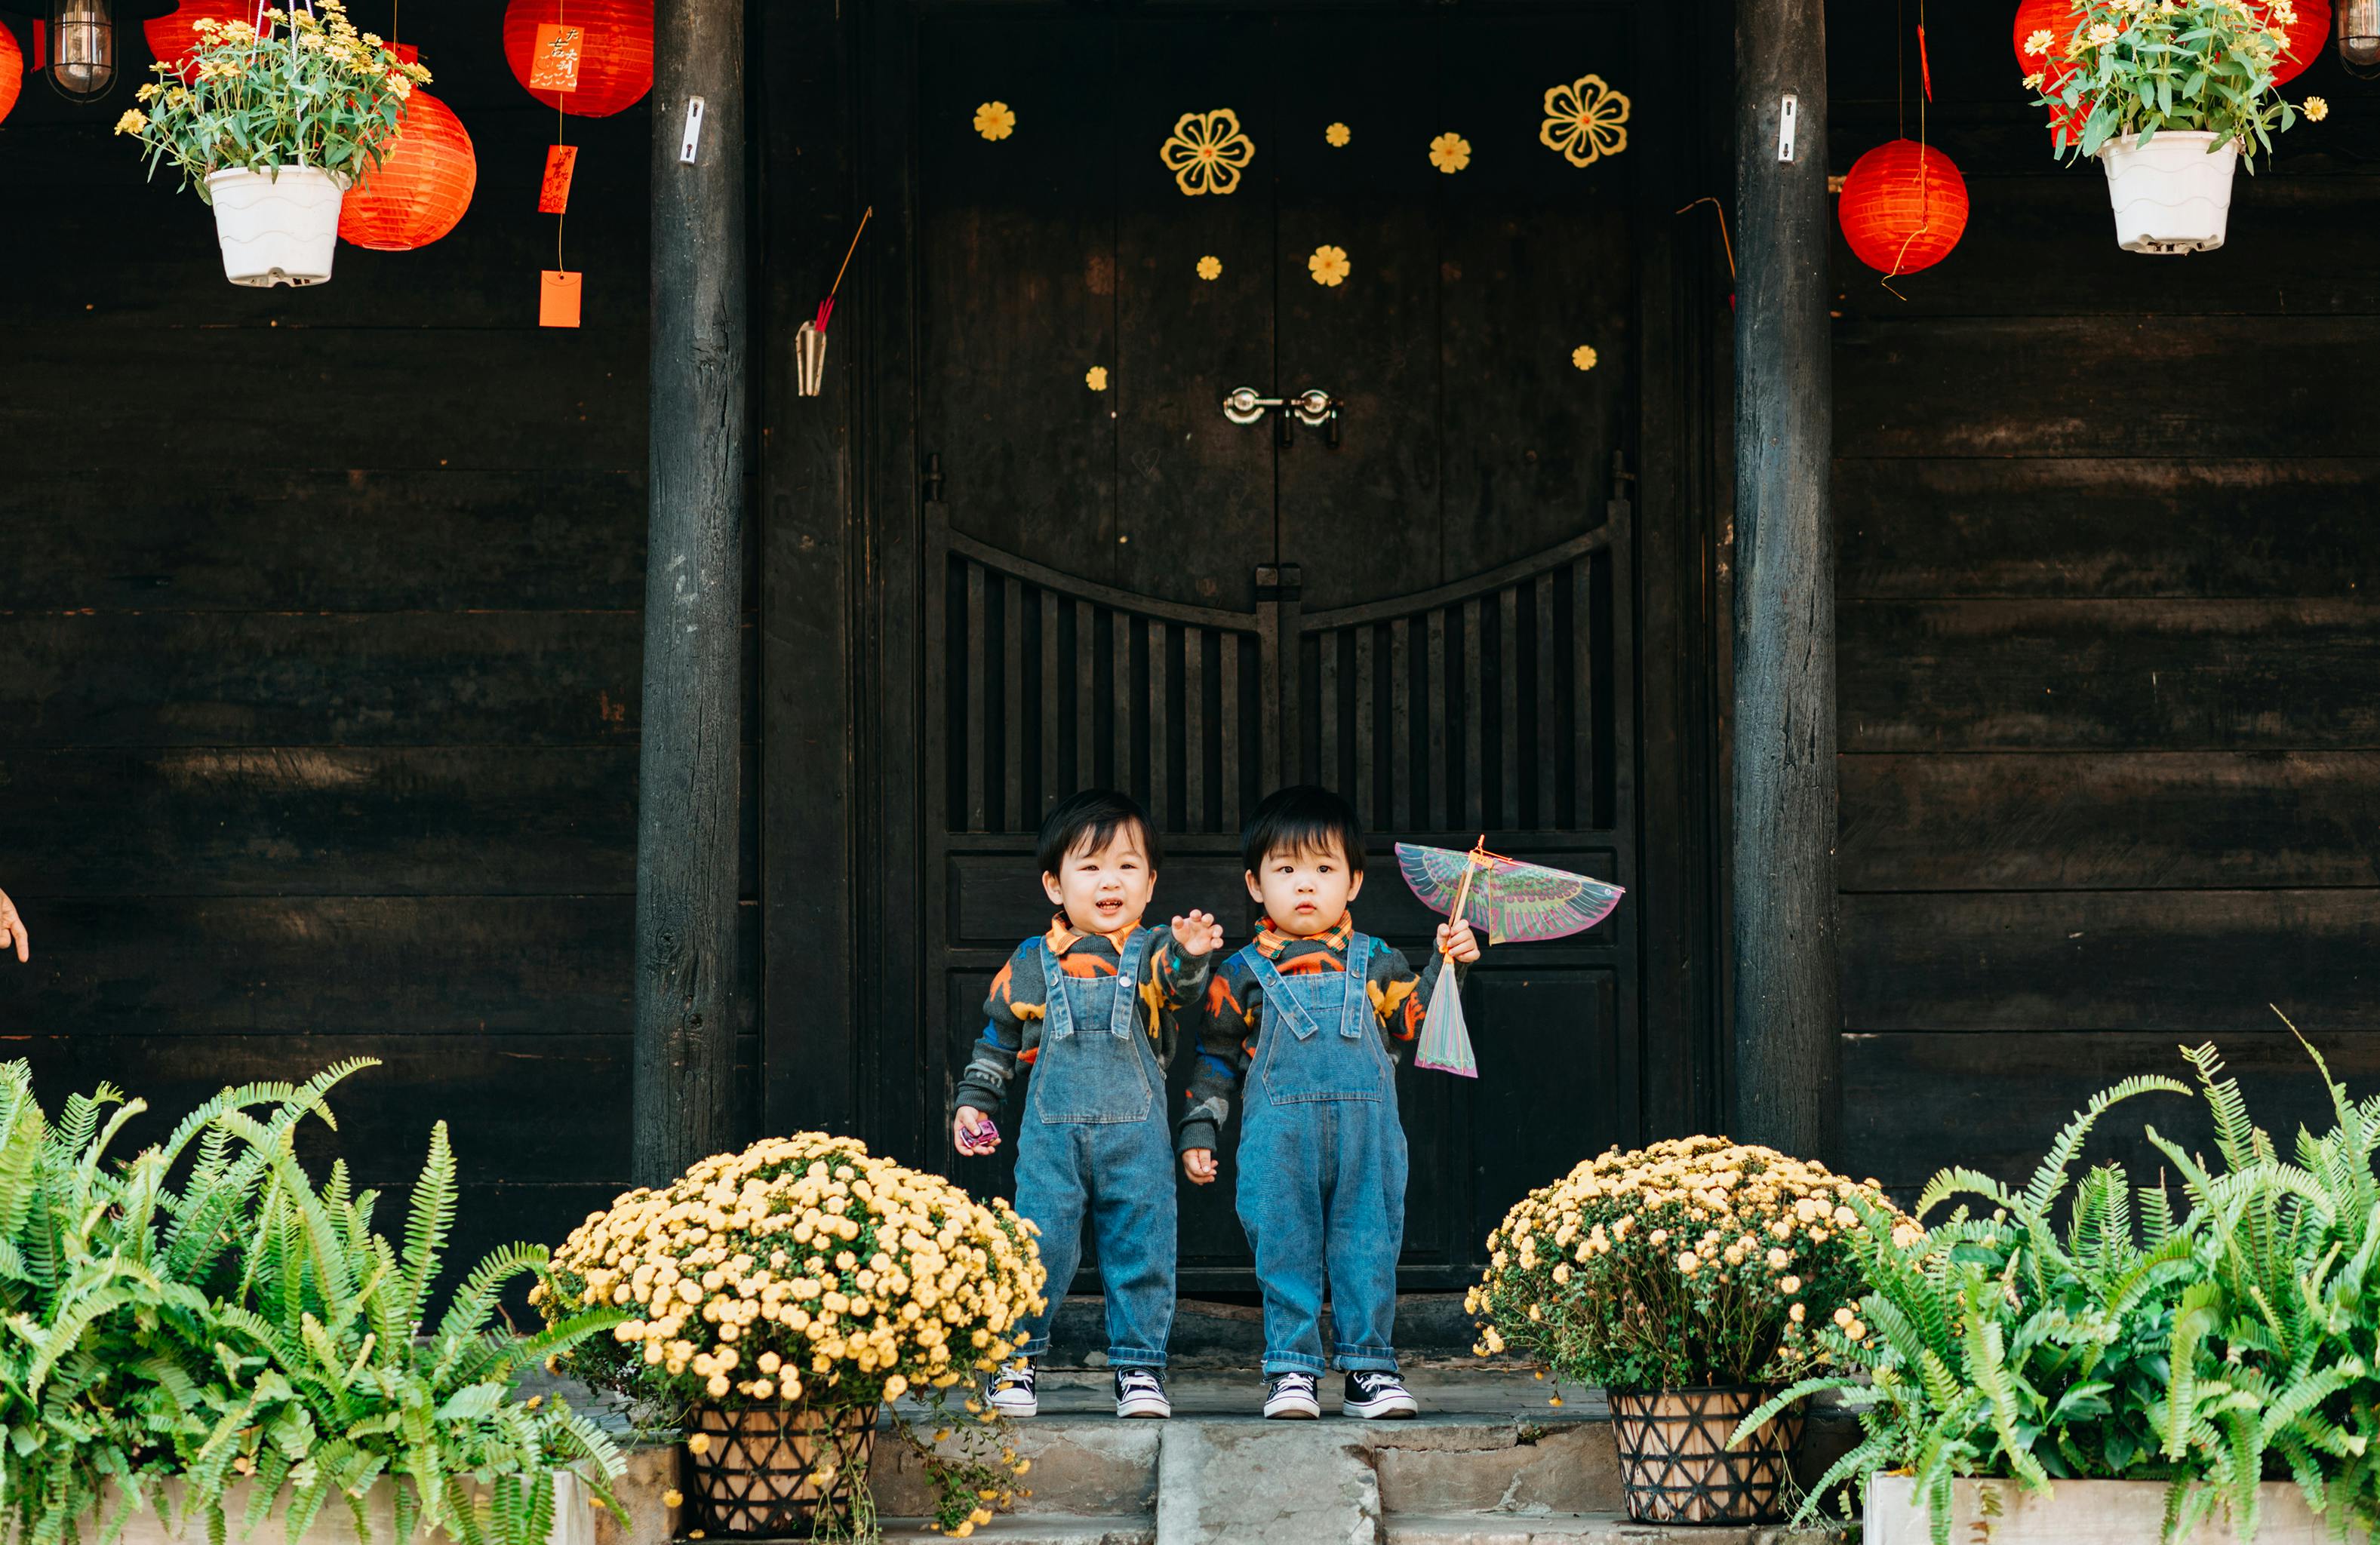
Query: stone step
[1015, 1530]
[1469, 1528]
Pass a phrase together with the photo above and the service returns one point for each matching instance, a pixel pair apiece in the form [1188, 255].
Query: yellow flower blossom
[2316, 109]
[133, 121]
[2037, 42]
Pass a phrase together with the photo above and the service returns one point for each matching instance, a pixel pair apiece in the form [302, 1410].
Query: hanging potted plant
[1690, 1280]
[785, 1298]
[273, 121]
[2171, 95]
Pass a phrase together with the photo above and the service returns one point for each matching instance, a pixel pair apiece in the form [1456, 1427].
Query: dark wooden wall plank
[2276, 674]
[2184, 962]
[2143, 820]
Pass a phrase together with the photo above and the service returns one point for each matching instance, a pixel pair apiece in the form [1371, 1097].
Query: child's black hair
[1088, 820]
[1302, 819]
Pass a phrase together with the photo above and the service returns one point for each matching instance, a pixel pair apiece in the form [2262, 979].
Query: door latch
[1313, 408]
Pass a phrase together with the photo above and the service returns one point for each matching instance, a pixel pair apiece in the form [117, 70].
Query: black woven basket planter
[780, 1472]
[1675, 1465]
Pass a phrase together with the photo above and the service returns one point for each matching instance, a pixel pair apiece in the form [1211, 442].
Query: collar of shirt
[1062, 937]
[1271, 942]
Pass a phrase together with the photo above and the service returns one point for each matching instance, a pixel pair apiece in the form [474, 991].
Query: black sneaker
[1011, 1389]
[1372, 1396]
[1291, 1396]
[1140, 1392]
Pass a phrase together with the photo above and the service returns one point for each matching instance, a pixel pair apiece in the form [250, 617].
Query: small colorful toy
[982, 1139]
[1506, 900]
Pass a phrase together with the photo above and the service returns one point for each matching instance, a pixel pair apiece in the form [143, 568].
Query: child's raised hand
[1199, 934]
[972, 1132]
[1457, 941]
[1199, 1164]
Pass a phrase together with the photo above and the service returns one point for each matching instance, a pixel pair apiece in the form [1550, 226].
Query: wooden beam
[688, 884]
[1788, 1052]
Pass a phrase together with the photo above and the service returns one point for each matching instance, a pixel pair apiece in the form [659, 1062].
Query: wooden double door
[1427, 603]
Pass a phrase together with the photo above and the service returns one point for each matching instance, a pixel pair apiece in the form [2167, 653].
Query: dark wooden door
[1117, 585]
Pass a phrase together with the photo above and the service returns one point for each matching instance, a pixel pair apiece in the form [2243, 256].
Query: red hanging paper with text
[553, 194]
[557, 298]
[553, 62]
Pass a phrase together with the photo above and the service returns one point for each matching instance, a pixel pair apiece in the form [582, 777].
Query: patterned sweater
[1020, 995]
[1227, 1042]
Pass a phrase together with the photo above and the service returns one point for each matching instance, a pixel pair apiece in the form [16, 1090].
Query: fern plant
[247, 1344]
[2209, 1349]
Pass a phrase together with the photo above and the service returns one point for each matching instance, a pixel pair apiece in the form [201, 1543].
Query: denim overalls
[1322, 1168]
[1097, 1133]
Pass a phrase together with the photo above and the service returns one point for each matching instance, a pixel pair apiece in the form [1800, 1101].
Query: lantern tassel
[826, 306]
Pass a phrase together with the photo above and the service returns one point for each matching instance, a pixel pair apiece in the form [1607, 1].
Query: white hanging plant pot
[279, 226]
[2172, 194]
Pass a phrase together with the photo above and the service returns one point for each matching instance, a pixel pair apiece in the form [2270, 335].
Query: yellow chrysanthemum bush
[1693, 1262]
[807, 1270]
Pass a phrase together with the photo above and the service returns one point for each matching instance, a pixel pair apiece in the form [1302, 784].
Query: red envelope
[557, 298]
[553, 62]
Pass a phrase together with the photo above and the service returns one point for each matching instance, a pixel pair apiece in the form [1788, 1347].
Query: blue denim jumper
[1322, 1168]
[1097, 1135]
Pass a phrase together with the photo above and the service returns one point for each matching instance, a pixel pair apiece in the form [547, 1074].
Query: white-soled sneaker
[1140, 1392]
[1291, 1396]
[1011, 1389]
[1372, 1396]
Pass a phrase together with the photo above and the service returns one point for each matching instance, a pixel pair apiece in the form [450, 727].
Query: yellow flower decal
[1210, 267]
[995, 120]
[1096, 378]
[1338, 135]
[1449, 152]
[1329, 265]
[1585, 120]
[1206, 151]
[1583, 356]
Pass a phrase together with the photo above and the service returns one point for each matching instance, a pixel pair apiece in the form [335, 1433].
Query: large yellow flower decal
[1206, 151]
[995, 120]
[1585, 120]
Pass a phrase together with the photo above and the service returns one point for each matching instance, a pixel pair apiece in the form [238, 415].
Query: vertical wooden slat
[1120, 633]
[1160, 711]
[1013, 722]
[1087, 696]
[1326, 710]
[1475, 694]
[1437, 727]
[1270, 645]
[978, 689]
[1365, 794]
[1582, 708]
[1548, 708]
[1508, 652]
[1194, 728]
[1228, 733]
[1401, 811]
[1047, 706]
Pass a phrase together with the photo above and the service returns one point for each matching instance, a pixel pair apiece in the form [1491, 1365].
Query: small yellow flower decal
[995, 120]
[1449, 152]
[1583, 356]
[1329, 265]
[1096, 378]
[1210, 267]
[2316, 109]
[1338, 135]
[1585, 120]
[1205, 152]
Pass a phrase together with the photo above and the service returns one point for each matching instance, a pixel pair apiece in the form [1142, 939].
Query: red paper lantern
[615, 60]
[423, 186]
[12, 70]
[2307, 32]
[1904, 206]
[171, 38]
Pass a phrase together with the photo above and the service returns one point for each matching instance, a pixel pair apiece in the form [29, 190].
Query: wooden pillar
[687, 847]
[1787, 1024]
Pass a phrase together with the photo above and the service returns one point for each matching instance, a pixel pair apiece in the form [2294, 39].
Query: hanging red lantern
[615, 52]
[2308, 29]
[171, 37]
[12, 70]
[1904, 206]
[423, 186]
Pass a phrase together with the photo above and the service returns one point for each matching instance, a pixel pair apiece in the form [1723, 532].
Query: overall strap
[1278, 997]
[1359, 986]
[1058, 1007]
[1128, 964]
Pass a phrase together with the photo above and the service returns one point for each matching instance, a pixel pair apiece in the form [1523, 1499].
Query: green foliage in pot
[308, 89]
[2115, 1339]
[243, 1343]
[2146, 66]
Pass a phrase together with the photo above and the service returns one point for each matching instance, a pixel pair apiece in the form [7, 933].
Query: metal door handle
[1241, 405]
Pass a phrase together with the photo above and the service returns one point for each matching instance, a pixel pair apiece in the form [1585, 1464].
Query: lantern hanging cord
[826, 306]
[1725, 245]
[1925, 177]
[561, 130]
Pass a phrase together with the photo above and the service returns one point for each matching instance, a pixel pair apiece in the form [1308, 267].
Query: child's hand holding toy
[1199, 934]
[1456, 941]
[1199, 1164]
[973, 1133]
